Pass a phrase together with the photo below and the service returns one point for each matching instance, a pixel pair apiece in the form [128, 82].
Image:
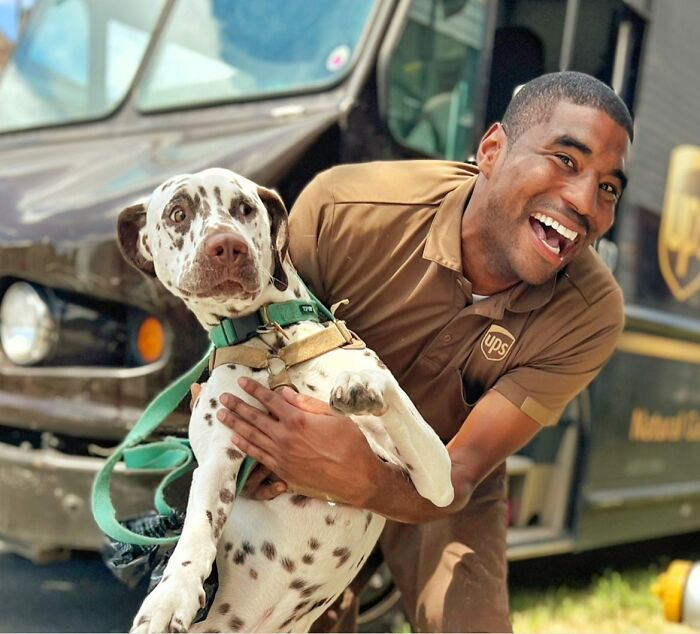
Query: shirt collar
[443, 246]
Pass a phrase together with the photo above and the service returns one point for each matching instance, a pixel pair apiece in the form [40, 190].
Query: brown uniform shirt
[387, 237]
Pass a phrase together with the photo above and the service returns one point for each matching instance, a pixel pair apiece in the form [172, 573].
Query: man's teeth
[569, 234]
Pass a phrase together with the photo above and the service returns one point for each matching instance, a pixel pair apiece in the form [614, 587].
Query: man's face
[552, 192]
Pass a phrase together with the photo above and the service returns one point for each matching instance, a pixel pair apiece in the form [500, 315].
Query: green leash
[175, 453]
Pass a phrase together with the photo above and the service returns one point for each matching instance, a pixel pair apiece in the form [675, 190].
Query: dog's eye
[177, 214]
[245, 209]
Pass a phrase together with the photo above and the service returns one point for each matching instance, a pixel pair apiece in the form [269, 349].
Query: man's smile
[557, 240]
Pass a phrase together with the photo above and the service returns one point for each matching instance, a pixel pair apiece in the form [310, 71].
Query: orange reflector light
[150, 340]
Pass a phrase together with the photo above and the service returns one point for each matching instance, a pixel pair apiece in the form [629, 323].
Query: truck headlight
[27, 328]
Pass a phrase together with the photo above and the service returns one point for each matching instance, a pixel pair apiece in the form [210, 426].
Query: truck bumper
[45, 498]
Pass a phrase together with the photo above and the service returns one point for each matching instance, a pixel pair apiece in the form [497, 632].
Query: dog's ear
[132, 238]
[278, 233]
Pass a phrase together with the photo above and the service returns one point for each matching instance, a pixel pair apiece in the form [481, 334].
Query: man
[479, 290]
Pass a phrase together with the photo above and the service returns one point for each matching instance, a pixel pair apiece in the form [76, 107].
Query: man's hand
[262, 484]
[314, 449]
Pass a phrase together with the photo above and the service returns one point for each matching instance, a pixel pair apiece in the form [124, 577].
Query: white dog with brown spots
[219, 242]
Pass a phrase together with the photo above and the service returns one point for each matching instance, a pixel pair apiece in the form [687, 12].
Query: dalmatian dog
[218, 241]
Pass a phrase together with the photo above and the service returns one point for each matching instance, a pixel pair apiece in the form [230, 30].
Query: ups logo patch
[679, 234]
[496, 343]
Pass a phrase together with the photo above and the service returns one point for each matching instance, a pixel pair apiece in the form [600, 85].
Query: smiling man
[481, 292]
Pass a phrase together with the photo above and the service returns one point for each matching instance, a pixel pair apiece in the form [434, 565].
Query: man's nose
[581, 194]
[225, 248]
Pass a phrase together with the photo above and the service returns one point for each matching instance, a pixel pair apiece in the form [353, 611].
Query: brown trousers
[452, 572]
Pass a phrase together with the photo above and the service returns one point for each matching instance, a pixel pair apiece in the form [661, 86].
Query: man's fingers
[268, 491]
[255, 479]
[273, 402]
[246, 412]
[307, 403]
[195, 391]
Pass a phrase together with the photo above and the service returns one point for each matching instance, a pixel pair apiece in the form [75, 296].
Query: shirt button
[447, 338]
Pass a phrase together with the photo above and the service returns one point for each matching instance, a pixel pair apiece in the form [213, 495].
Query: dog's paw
[171, 607]
[360, 392]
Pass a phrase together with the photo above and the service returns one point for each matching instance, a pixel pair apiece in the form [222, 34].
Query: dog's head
[214, 239]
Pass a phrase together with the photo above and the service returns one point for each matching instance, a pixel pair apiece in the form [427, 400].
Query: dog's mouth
[206, 282]
[226, 289]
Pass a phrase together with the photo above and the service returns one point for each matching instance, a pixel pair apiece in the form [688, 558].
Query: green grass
[610, 602]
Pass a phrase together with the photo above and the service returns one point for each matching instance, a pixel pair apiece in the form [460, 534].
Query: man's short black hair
[534, 102]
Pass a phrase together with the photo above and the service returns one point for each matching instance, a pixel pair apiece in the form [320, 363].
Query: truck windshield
[224, 50]
[75, 62]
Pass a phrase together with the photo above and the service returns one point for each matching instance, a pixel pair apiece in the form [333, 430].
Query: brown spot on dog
[268, 549]
[226, 496]
[234, 454]
[299, 500]
[239, 557]
[231, 366]
[381, 365]
[311, 387]
[368, 520]
[236, 624]
[224, 608]
[343, 554]
[409, 466]
[210, 517]
[314, 544]
[248, 548]
[142, 620]
[330, 520]
[213, 403]
[288, 564]
[253, 573]
[186, 563]
[179, 243]
[297, 293]
[217, 193]
[297, 584]
[209, 418]
[308, 559]
[309, 590]
[300, 606]
[228, 546]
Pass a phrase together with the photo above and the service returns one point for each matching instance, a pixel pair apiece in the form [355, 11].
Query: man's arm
[321, 453]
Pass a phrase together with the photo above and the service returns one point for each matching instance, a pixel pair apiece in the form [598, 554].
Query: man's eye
[178, 214]
[610, 189]
[565, 159]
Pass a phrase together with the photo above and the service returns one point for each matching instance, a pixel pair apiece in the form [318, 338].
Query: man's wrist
[372, 484]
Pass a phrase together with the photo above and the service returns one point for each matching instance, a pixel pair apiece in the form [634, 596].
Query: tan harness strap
[245, 355]
[335, 335]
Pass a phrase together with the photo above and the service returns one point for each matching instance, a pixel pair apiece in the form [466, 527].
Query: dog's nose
[225, 248]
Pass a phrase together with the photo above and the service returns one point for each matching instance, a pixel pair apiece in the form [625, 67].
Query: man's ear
[132, 238]
[279, 235]
[492, 144]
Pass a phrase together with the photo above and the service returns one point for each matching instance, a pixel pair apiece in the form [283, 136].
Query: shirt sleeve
[543, 387]
[310, 230]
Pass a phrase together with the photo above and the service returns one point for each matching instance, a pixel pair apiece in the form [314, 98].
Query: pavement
[78, 595]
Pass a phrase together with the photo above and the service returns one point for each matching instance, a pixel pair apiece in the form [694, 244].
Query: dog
[219, 242]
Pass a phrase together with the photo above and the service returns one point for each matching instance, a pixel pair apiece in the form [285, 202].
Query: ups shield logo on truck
[496, 343]
[679, 234]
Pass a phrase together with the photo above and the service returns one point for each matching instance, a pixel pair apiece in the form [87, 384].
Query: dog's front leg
[416, 445]
[173, 604]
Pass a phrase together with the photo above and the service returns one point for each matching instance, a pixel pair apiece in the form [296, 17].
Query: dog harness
[226, 347]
